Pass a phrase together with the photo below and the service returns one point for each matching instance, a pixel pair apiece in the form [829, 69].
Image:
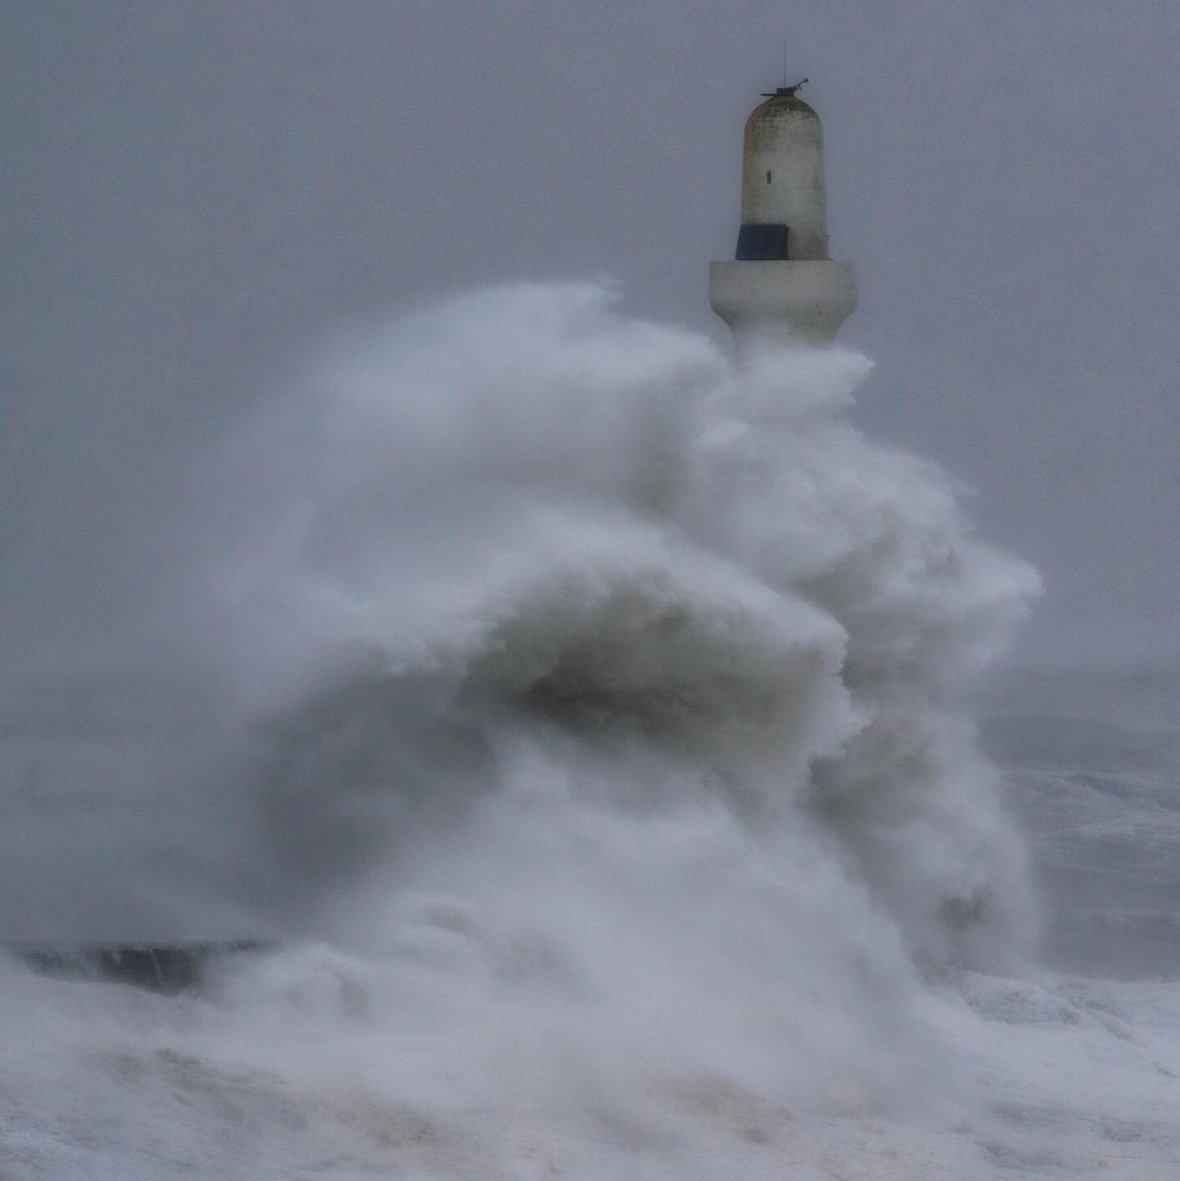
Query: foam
[593, 717]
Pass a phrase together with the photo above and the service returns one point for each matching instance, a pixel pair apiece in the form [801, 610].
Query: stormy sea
[580, 759]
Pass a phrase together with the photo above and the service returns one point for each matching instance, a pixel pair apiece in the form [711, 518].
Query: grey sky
[194, 191]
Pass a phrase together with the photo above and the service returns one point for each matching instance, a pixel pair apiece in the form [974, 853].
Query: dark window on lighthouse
[757, 242]
[768, 176]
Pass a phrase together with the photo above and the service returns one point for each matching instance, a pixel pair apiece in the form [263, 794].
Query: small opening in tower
[768, 176]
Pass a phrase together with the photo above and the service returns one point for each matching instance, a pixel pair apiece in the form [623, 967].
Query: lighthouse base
[780, 302]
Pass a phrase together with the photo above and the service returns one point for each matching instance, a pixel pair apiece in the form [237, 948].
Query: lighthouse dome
[783, 174]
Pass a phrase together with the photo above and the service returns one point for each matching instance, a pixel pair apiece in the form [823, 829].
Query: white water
[590, 726]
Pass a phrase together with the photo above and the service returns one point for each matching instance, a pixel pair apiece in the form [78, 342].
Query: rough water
[593, 730]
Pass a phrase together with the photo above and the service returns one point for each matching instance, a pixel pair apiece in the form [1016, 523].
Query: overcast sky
[194, 190]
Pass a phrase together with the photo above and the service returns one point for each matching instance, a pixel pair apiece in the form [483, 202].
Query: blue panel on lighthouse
[761, 242]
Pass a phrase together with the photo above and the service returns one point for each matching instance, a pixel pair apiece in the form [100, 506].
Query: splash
[559, 589]
[605, 714]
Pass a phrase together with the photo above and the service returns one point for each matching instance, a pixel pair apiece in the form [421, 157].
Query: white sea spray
[592, 733]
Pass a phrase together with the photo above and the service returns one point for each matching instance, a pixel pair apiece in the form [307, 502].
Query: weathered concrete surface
[782, 302]
[783, 174]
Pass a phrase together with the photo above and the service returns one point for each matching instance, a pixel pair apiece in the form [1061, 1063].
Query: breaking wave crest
[533, 569]
[521, 527]
[606, 716]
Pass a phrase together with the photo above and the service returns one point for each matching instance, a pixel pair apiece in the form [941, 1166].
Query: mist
[604, 706]
[614, 762]
[194, 197]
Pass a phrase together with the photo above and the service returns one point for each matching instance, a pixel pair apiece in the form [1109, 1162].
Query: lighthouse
[782, 288]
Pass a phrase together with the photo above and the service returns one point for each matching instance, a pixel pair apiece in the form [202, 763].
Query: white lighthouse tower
[782, 287]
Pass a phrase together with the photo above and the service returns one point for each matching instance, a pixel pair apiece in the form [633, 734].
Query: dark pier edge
[168, 968]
